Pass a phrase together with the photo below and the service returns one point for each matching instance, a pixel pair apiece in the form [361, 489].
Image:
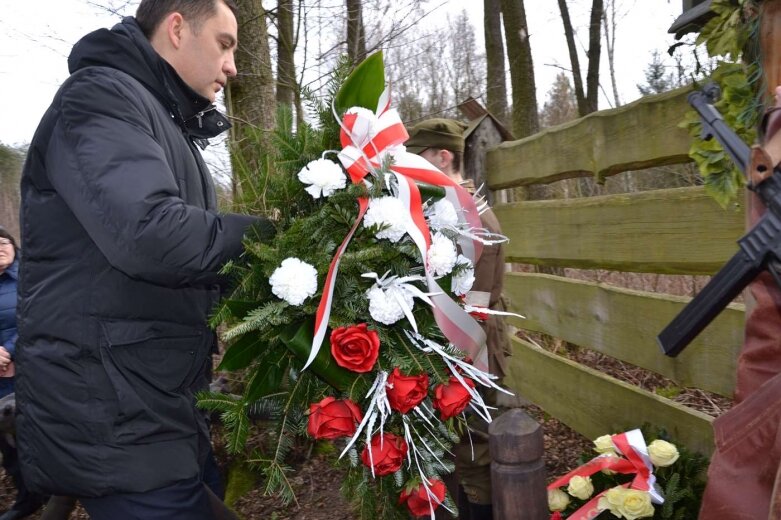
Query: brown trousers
[744, 477]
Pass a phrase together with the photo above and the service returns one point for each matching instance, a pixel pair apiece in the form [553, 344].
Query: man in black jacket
[123, 248]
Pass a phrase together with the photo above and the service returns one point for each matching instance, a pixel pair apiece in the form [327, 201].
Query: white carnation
[388, 212]
[442, 214]
[323, 176]
[441, 255]
[294, 281]
[462, 282]
[384, 307]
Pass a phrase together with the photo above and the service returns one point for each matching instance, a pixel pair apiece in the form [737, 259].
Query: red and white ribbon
[367, 139]
[635, 461]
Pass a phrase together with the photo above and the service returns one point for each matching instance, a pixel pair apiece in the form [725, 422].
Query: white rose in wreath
[604, 444]
[662, 453]
[558, 500]
[580, 487]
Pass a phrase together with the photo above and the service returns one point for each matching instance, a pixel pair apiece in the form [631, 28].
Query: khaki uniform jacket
[489, 277]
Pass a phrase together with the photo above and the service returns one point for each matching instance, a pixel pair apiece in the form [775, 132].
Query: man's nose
[229, 67]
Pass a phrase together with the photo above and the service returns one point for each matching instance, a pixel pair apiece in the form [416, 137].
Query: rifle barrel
[714, 297]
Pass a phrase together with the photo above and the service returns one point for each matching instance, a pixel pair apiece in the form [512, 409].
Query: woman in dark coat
[26, 502]
[9, 267]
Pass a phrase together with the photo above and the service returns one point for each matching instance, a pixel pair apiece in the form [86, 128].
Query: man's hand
[5, 361]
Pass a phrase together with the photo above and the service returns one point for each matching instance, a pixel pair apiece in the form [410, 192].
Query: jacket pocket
[151, 366]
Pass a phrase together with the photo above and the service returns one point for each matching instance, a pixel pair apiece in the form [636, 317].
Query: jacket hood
[125, 47]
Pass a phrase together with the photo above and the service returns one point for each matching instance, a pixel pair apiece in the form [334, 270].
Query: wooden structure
[672, 231]
[484, 132]
[518, 468]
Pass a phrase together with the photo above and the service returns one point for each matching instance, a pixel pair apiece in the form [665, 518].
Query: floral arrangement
[348, 325]
[629, 479]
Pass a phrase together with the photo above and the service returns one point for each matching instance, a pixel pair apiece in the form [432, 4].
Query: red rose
[355, 348]
[330, 419]
[556, 516]
[387, 458]
[452, 398]
[405, 392]
[420, 502]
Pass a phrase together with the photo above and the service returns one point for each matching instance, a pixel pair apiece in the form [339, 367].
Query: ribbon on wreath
[367, 139]
[635, 461]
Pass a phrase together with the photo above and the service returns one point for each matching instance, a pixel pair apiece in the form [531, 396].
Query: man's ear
[445, 158]
[174, 24]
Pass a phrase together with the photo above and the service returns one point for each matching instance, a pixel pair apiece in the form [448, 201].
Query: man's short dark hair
[151, 13]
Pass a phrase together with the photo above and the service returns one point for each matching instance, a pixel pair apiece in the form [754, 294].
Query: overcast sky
[36, 37]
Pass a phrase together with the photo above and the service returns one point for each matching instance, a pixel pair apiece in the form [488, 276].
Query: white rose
[604, 444]
[558, 500]
[662, 453]
[626, 503]
[580, 487]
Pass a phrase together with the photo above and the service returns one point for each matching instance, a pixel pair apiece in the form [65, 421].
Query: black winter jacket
[122, 251]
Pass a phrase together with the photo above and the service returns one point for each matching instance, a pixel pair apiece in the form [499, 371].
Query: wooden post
[517, 468]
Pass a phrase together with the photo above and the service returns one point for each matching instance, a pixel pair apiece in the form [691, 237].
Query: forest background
[436, 53]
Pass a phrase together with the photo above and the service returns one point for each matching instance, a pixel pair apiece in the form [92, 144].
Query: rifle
[760, 248]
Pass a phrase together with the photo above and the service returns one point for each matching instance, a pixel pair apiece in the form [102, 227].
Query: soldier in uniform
[441, 142]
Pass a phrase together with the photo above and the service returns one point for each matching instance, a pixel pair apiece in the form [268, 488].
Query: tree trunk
[577, 77]
[496, 85]
[250, 96]
[610, 45]
[594, 50]
[286, 71]
[11, 160]
[356, 36]
[524, 112]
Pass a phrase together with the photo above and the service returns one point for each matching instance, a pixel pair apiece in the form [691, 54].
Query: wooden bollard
[518, 468]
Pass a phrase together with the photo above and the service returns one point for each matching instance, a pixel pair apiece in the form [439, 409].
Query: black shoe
[23, 510]
[13, 514]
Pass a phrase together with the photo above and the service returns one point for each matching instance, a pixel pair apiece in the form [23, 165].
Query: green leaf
[266, 379]
[364, 85]
[298, 338]
[240, 308]
[241, 353]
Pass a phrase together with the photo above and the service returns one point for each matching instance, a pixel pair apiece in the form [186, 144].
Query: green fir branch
[271, 314]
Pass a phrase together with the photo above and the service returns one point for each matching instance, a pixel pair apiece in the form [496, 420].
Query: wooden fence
[672, 231]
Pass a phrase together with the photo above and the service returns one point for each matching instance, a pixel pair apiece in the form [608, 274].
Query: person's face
[442, 159]
[7, 254]
[204, 59]
[431, 155]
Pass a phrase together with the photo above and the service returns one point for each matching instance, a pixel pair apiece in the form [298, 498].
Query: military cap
[447, 134]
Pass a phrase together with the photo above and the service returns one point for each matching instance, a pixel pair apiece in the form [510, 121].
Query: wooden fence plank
[623, 323]
[675, 231]
[639, 135]
[595, 404]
